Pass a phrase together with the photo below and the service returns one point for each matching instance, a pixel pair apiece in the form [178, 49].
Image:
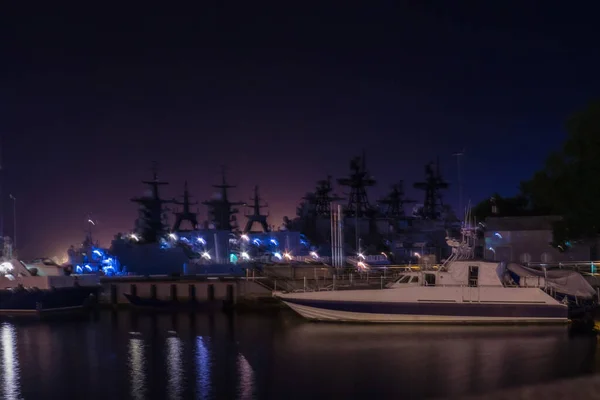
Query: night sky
[282, 95]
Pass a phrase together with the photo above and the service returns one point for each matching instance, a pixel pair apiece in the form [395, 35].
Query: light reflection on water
[203, 367]
[246, 378]
[10, 363]
[175, 371]
[277, 356]
[136, 368]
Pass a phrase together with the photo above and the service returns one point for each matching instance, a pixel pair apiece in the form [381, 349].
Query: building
[528, 240]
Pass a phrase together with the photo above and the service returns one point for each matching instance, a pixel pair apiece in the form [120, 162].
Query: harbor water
[274, 355]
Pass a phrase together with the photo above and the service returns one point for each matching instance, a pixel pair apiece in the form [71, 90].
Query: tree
[569, 183]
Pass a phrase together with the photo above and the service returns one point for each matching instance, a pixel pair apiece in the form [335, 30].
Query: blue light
[78, 269]
[108, 270]
[498, 235]
[277, 255]
[98, 253]
[257, 242]
[233, 258]
[201, 240]
[273, 241]
[88, 267]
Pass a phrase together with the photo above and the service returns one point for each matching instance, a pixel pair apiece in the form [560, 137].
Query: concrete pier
[180, 288]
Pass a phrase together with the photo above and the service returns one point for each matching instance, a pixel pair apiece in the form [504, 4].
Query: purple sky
[282, 96]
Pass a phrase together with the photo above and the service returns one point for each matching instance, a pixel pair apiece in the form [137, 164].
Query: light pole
[14, 199]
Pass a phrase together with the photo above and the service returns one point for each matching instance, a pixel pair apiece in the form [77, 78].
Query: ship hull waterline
[47, 302]
[428, 313]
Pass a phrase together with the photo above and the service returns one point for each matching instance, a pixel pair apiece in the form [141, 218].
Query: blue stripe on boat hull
[488, 310]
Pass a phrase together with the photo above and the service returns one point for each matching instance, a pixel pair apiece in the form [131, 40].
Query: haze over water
[276, 355]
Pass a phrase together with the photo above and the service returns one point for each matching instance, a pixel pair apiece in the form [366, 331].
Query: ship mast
[150, 226]
[395, 202]
[256, 216]
[433, 185]
[221, 211]
[359, 179]
[323, 197]
[185, 214]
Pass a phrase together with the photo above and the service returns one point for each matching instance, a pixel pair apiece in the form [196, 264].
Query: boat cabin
[457, 273]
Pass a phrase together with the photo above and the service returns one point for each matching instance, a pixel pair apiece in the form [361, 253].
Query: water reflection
[246, 378]
[175, 371]
[10, 363]
[203, 366]
[136, 368]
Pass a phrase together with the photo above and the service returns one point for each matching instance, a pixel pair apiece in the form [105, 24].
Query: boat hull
[427, 312]
[46, 301]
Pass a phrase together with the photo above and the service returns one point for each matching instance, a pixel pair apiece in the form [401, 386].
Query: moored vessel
[24, 292]
[462, 290]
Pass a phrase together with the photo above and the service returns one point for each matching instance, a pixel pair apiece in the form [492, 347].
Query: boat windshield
[403, 279]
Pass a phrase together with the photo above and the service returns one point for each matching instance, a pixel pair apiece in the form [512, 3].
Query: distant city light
[206, 255]
[245, 237]
[277, 255]
[134, 237]
[314, 254]
[245, 255]
[173, 236]
[201, 240]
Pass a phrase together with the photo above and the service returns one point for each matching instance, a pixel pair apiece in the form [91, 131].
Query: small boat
[23, 291]
[462, 290]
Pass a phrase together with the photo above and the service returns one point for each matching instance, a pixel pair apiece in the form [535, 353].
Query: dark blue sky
[283, 95]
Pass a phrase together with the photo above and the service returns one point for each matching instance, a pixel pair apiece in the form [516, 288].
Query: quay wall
[203, 289]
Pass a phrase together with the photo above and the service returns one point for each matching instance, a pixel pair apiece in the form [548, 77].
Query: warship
[383, 230]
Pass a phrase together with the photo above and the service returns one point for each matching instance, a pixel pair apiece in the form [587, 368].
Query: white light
[314, 254]
[206, 255]
[245, 255]
[173, 236]
[417, 255]
[288, 256]
[6, 267]
[245, 237]
[91, 222]
[134, 237]
[201, 240]
[361, 255]
[277, 255]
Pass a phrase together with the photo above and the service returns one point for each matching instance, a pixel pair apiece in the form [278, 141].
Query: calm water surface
[124, 355]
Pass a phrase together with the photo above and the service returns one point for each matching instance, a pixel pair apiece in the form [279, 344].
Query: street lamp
[14, 199]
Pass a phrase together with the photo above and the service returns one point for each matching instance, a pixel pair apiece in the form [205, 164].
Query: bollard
[305, 283]
[333, 282]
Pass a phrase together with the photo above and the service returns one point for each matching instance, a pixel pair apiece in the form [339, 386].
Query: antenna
[458, 155]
